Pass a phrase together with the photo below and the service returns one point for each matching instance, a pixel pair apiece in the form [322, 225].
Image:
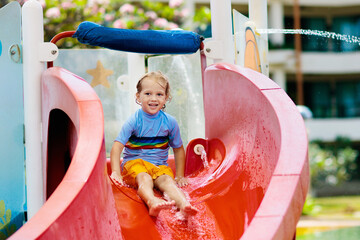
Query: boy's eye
[147, 93]
[160, 94]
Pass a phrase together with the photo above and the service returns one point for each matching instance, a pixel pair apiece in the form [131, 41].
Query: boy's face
[152, 96]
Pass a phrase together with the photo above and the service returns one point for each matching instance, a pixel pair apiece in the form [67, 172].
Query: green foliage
[343, 207]
[331, 164]
[310, 207]
[6, 228]
[66, 15]
[202, 18]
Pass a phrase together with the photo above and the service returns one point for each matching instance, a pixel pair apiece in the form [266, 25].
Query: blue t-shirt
[149, 137]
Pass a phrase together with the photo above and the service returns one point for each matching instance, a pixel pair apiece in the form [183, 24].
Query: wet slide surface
[254, 187]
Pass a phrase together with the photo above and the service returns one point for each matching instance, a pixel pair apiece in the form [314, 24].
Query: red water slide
[254, 186]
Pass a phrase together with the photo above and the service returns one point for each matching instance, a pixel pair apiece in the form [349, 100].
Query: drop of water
[204, 158]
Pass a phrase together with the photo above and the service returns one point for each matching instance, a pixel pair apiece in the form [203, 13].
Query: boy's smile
[152, 96]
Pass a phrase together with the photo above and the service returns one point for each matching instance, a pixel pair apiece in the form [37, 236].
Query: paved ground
[327, 229]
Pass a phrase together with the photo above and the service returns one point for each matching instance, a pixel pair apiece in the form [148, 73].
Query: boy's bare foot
[157, 205]
[189, 210]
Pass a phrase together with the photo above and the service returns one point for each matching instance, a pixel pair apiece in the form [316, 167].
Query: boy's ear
[137, 98]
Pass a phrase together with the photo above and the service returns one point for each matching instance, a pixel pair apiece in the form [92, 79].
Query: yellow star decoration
[100, 75]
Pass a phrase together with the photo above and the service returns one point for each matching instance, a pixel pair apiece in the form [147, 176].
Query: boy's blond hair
[160, 78]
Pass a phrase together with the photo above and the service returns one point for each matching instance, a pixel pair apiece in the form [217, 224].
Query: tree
[66, 15]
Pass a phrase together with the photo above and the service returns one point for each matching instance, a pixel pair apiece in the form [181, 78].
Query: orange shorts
[133, 167]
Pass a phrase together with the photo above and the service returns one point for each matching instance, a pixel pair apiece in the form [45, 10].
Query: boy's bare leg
[167, 185]
[146, 192]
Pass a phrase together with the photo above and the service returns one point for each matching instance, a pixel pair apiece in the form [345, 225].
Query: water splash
[324, 34]
[173, 225]
[204, 158]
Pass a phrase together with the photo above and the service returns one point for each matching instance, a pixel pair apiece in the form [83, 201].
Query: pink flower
[127, 8]
[53, 12]
[119, 24]
[102, 2]
[145, 26]
[102, 10]
[151, 14]
[109, 17]
[67, 5]
[43, 3]
[175, 3]
[94, 9]
[98, 2]
[185, 12]
[172, 26]
[161, 22]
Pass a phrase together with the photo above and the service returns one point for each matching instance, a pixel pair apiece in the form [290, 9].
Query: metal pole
[33, 37]
[190, 5]
[298, 68]
[221, 27]
[136, 69]
[258, 15]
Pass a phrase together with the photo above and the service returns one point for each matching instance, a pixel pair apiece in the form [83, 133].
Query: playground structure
[256, 146]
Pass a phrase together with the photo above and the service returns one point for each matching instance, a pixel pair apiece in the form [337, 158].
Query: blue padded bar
[139, 41]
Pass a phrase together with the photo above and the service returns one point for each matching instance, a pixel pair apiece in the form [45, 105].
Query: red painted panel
[253, 188]
[82, 206]
[261, 127]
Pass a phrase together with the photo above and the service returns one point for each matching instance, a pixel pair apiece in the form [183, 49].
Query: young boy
[145, 139]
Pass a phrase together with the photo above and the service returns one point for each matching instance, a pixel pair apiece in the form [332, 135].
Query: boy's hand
[181, 181]
[117, 179]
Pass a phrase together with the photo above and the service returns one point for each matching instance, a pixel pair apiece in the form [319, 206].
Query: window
[341, 25]
[310, 42]
[318, 98]
[335, 98]
[348, 99]
[347, 26]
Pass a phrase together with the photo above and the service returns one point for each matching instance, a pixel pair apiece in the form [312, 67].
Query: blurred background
[319, 70]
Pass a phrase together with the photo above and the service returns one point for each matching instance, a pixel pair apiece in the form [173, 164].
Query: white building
[330, 67]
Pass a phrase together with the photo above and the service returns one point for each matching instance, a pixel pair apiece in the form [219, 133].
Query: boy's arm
[179, 155]
[115, 154]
